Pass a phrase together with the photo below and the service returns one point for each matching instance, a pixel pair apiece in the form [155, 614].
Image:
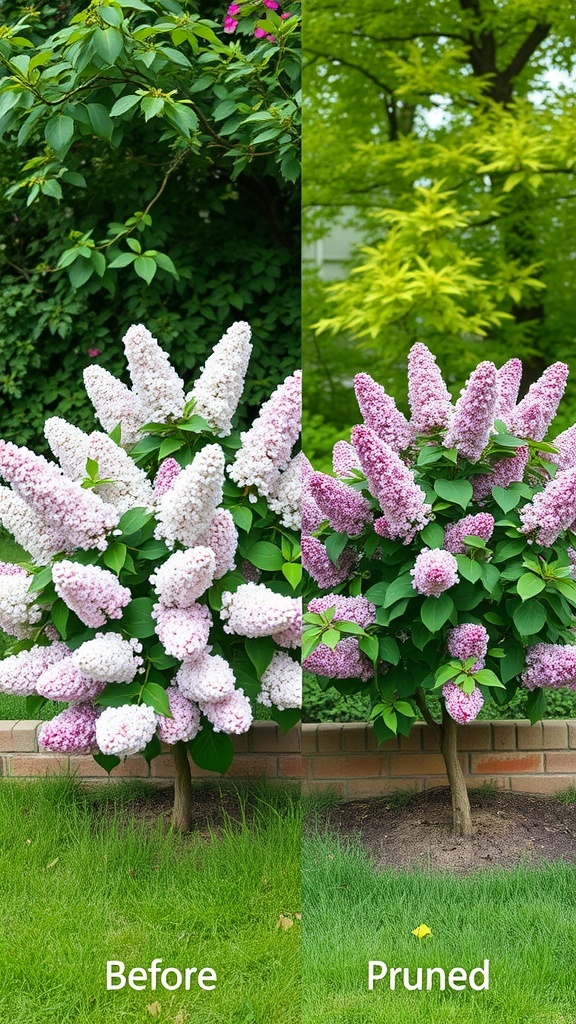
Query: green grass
[523, 921]
[82, 882]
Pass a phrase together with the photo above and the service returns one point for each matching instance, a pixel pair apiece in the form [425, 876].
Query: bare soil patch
[509, 828]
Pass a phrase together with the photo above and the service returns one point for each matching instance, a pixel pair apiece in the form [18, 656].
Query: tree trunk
[461, 817]
[182, 809]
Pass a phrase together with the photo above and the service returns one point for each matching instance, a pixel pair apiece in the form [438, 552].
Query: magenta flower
[93, 352]
[552, 510]
[73, 731]
[271, 4]
[347, 510]
[260, 33]
[168, 470]
[481, 525]
[473, 420]
[462, 707]
[347, 609]
[428, 395]
[469, 641]
[346, 661]
[434, 572]
[550, 665]
[532, 417]
[380, 413]
[402, 501]
[504, 472]
[230, 25]
[318, 565]
[509, 377]
[233, 9]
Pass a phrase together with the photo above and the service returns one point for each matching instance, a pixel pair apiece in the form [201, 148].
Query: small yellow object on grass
[422, 931]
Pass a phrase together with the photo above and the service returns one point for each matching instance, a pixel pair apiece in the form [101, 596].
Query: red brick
[329, 737]
[24, 736]
[372, 741]
[163, 767]
[134, 767]
[277, 742]
[253, 767]
[416, 764]
[353, 766]
[23, 766]
[476, 781]
[504, 735]
[555, 735]
[506, 764]
[6, 734]
[413, 741]
[561, 762]
[323, 786]
[545, 784]
[528, 737]
[368, 789]
[309, 731]
[354, 736]
[477, 736]
[240, 743]
[290, 767]
[84, 766]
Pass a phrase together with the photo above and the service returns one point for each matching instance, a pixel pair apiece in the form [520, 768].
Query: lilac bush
[458, 528]
[138, 605]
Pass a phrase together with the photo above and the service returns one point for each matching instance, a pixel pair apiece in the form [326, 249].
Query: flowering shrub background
[161, 598]
[441, 555]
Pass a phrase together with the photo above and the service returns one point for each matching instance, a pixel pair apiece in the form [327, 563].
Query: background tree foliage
[148, 172]
[446, 132]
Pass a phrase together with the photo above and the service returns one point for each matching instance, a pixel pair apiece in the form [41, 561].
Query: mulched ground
[509, 828]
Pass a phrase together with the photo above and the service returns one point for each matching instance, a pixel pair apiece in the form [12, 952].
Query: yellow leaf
[154, 1009]
[422, 931]
[284, 923]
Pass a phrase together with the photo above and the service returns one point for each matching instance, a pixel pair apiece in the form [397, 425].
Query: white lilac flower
[184, 576]
[233, 715]
[94, 594]
[185, 722]
[19, 673]
[125, 730]
[205, 679]
[64, 681]
[287, 496]
[18, 613]
[282, 683]
[157, 386]
[255, 610]
[267, 445]
[186, 511]
[221, 383]
[114, 404]
[109, 658]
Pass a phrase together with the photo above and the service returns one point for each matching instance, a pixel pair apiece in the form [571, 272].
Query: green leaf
[134, 519]
[490, 576]
[157, 655]
[34, 703]
[156, 696]
[152, 749]
[457, 492]
[293, 573]
[108, 44]
[169, 445]
[389, 650]
[445, 673]
[369, 646]
[260, 650]
[398, 589]
[513, 663]
[152, 106]
[536, 705]
[122, 260]
[331, 637]
[60, 613]
[243, 517]
[529, 585]
[266, 556]
[404, 708]
[505, 498]
[115, 556]
[59, 132]
[107, 761]
[137, 618]
[212, 751]
[182, 117]
[469, 569]
[335, 545]
[115, 695]
[123, 105]
[529, 618]
[80, 272]
[145, 267]
[152, 550]
[567, 588]
[474, 542]
[286, 719]
[390, 719]
[435, 611]
[487, 678]
[509, 549]
[433, 535]
[41, 579]
[100, 120]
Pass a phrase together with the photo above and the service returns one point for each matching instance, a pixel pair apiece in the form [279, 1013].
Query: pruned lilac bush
[442, 553]
[159, 602]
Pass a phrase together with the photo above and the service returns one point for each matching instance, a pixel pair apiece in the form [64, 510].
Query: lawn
[522, 920]
[83, 881]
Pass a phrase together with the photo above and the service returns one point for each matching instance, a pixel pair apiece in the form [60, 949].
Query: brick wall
[515, 755]
[341, 757]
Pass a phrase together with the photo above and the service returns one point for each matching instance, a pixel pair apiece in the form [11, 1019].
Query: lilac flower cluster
[346, 510]
[380, 413]
[473, 420]
[462, 707]
[255, 610]
[469, 640]
[509, 378]
[109, 658]
[94, 594]
[184, 724]
[505, 471]
[125, 730]
[481, 525]
[184, 512]
[434, 572]
[402, 501]
[281, 683]
[534, 414]
[219, 387]
[550, 665]
[73, 731]
[428, 397]
[184, 576]
[552, 510]
[317, 563]
[267, 445]
[346, 661]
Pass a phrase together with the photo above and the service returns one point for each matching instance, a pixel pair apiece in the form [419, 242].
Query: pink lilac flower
[206, 679]
[114, 403]
[544, 395]
[267, 446]
[402, 501]
[64, 681]
[272, 4]
[286, 500]
[183, 632]
[551, 511]
[481, 525]
[233, 9]
[184, 576]
[81, 515]
[312, 515]
[509, 377]
[18, 612]
[347, 510]
[434, 572]
[505, 471]
[550, 665]
[185, 722]
[347, 609]
[125, 730]
[69, 444]
[109, 658]
[222, 538]
[462, 707]
[281, 683]
[428, 396]
[344, 458]
[41, 541]
[129, 486]
[380, 413]
[73, 731]
[255, 610]
[185, 512]
[168, 470]
[565, 457]
[19, 673]
[571, 552]
[230, 25]
[346, 661]
[219, 387]
[233, 715]
[320, 567]
[155, 382]
[94, 594]
[470, 428]
[292, 635]
[94, 352]
[286, 15]
[469, 640]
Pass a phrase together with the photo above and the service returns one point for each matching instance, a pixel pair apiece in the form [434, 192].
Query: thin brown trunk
[461, 817]
[182, 809]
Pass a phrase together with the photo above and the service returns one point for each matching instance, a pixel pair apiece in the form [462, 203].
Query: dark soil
[509, 828]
